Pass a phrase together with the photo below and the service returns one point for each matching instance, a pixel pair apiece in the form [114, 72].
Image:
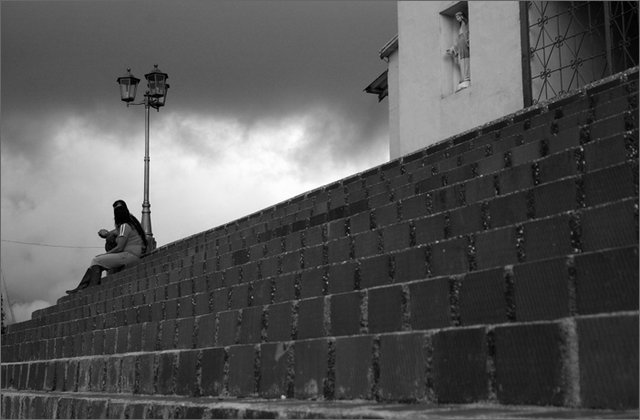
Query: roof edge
[389, 48]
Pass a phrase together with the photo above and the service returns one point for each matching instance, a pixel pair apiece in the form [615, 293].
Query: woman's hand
[103, 233]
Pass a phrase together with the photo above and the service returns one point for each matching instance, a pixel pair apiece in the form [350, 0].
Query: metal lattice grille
[575, 43]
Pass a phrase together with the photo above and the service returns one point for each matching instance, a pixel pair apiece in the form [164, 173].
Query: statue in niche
[460, 51]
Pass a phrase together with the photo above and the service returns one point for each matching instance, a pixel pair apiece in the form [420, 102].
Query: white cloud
[204, 172]
[23, 311]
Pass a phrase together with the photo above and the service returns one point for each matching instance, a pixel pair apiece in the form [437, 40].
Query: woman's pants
[114, 260]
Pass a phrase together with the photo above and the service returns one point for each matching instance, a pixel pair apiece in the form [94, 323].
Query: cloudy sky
[266, 102]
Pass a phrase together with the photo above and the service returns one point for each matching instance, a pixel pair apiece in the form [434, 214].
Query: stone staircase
[498, 266]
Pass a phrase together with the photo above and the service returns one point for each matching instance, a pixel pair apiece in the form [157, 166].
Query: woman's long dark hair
[121, 215]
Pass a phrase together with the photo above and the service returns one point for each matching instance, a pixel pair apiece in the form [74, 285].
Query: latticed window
[571, 44]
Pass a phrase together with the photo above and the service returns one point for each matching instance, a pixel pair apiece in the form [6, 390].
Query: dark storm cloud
[250, 60]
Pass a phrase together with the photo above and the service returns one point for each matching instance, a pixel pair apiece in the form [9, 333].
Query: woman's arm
[121, 239]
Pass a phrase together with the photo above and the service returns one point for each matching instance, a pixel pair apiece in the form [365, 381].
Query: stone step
[112, 406]
[547, 362]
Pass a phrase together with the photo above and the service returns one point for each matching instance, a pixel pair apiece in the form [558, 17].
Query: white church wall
[429, 108]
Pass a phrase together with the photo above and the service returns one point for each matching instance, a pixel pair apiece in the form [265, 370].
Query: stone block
[166, 363]
[490, 164]
[200, 283]
[430, 304]
[270, 267]
[113, 371]
[521, 177]
[460, 366]
[250, 272]
[410, 264]
[279, 322]
[605, 127]
[479, 188]
[311, 367]
[558, 166]
[146, 373]
[606, 152]
[186, 382]
[171, 309]
[127, 375]
[312, 282]
[213, 367]
[314, 236]
[242, 379]
[547, 238]
[402, 367]
[354, 367]
[227, 327]
[609, 226]
[496, 247]
[385, 306]
[233, 276]
[555, 197]
[221, 299]
[98, 372]
[260, 293]
[608, 351]
[172, 291]
[374, 271]
[541, 290]
[37, 408]
[466, 219]
[251, 325]
[342, 277]
[185, 307]
[110, 340]
[607, 281]
[122, 339]
[291, 261]
[167, 338]
[206, 330]
[339, 250]
[134, 343]
[529, 364]
[482, 298]
[345, 313]
[360, 222]
[149, 336]
[284, 288]
[311, 318]
[49, 377]
[36, 376]
[185, 333]
[275, 359]
[157, 311]
[396, 237]
[366, 244]
[378, 201]
[609, 184]
[414, 207]
[526, 153]
[450, 257]
[429, 229]
[144, 313]
[313, 256]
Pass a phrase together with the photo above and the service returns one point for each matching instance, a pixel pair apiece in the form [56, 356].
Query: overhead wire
[51, 245]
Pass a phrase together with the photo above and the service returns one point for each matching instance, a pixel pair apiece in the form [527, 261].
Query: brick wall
[500, 265]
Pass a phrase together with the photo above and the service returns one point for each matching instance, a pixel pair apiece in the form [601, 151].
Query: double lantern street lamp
[154, 97]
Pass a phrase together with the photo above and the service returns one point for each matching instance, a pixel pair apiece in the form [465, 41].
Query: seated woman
[130, 245]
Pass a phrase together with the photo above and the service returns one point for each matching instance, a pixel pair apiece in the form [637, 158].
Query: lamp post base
[151, 243]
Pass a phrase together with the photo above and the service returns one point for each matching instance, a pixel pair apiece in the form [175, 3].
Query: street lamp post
[154, 97]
